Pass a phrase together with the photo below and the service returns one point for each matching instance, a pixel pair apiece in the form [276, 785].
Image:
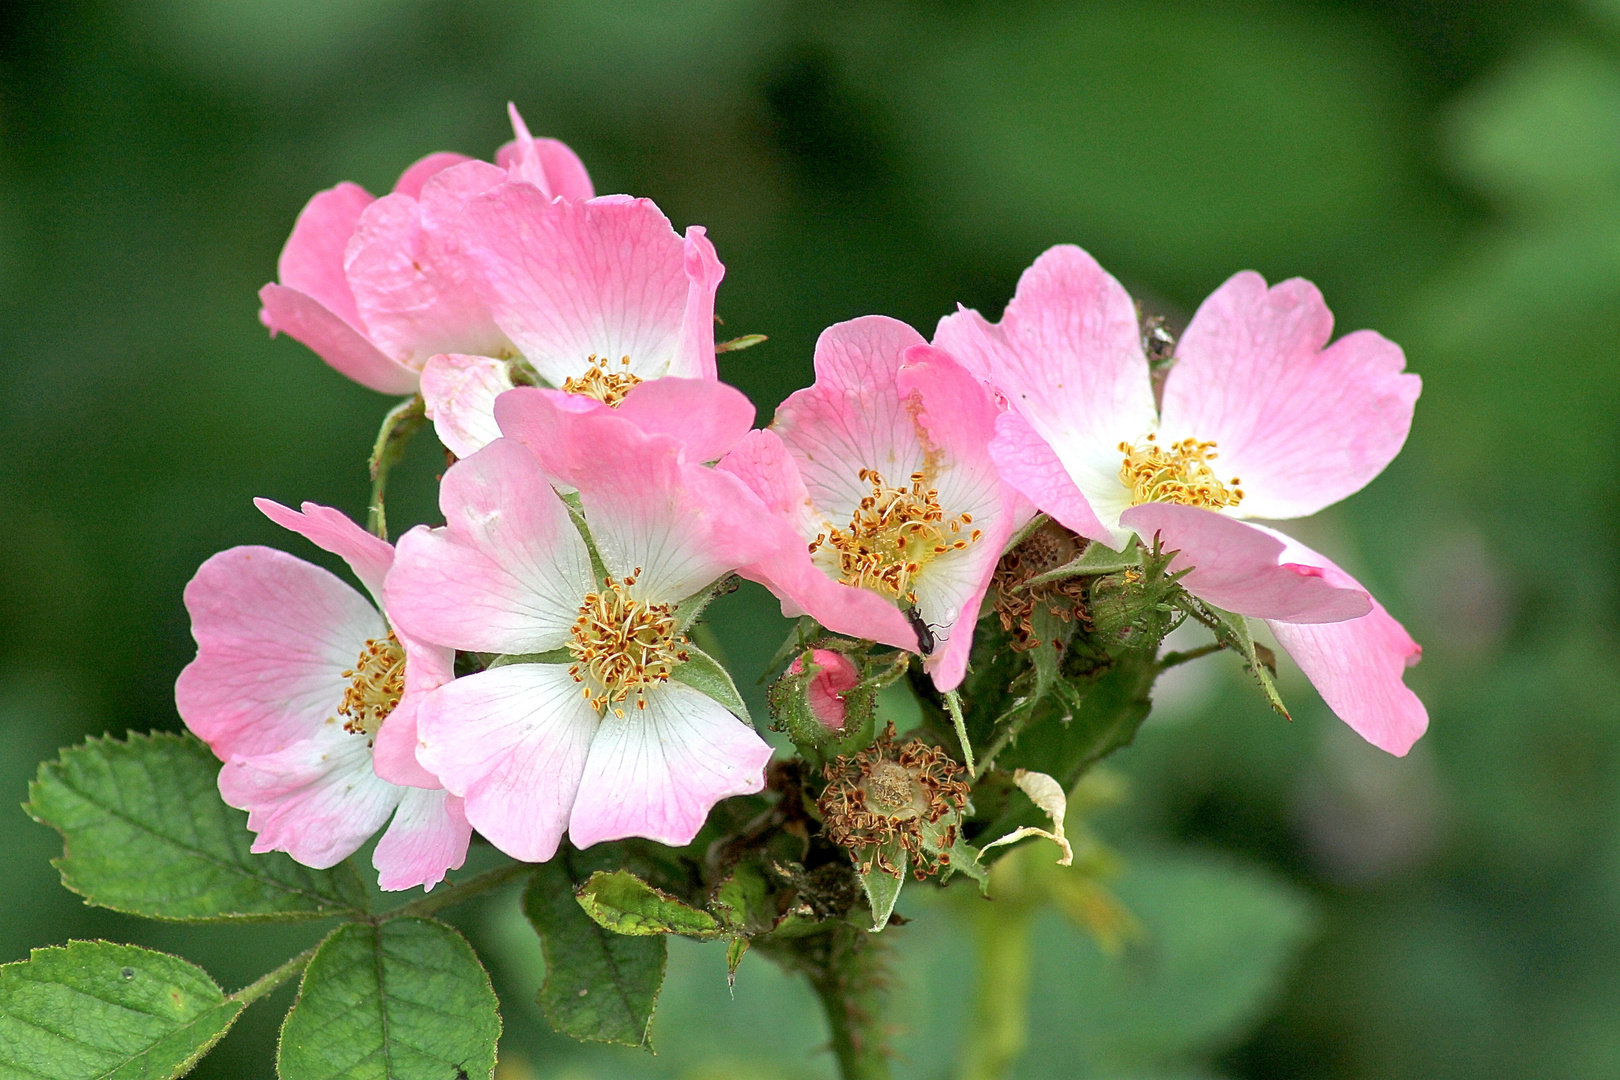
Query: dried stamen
[907, 795]
[1015, 600]
[622, 645]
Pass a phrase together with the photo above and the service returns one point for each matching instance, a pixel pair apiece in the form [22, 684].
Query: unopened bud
[825, 692]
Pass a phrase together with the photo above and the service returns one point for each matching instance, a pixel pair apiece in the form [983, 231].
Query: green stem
[954, 704]
[450, 895]
[1000, 1027]
[264, 984]
[403, 421]
[1172, 659]
[847, 981]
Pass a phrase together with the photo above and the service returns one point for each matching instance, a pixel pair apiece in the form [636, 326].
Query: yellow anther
[623, 645]
[892, 535]
[603, 383]
[376, 683]
[1178, 473]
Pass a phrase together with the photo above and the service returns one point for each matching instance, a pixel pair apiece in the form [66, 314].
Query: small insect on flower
[925, 632]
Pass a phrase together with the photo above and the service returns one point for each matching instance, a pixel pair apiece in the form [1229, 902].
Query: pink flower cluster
[563, 345]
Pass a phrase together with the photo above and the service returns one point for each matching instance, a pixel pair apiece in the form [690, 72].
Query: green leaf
[1238, 638]
[145, 832]
[405, 999]
[882, 888]
[599, 985]
[113, 1012]
[743, 901]
[623, 903]
[703, 673]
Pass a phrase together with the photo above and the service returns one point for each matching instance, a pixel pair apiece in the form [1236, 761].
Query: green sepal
[737, 344]
[799, 638]
[965, 860]
[145, 832]
[1096, 560]
[883, 888]
[405, 998]
[689, 610]
[621, 902]
[552, 656]
[704, 674]
[92, 1009]
[1235, 635]
[600, 986]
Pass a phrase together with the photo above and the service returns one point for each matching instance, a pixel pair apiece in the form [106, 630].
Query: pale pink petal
[1067, 354]
[459, 392]
[331, 530]
[428, 836]
[1027, 463]
[705, 416]
[1358, 666]
[444, 196]
[1301, 426]
[762, 463]
[507, 571]
[656, 772]
[317, 800]
[512, 741]
[274, 636]
[412, 299]
[395, 745]
[546, 163]
[304, 319]
[854, 417]
[411, 180]
[695, 357]
[570, 280]
[1241, 567]
[312, 260]
[825, 694]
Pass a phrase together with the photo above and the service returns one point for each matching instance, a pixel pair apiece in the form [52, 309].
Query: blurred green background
[1448, 173]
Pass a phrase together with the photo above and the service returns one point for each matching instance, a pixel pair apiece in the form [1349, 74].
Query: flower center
[376, 683]
[1178, 473]
[892, 535]
[622, 645]
[891, 794]
[603, 383]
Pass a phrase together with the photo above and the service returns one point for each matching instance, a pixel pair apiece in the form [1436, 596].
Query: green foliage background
[1448, 173]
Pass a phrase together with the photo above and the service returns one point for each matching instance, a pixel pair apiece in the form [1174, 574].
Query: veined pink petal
[507, 571]
[1241, 567]
[331, 530]
[707, 417]
[838, 676]
[412, 299]
[411, 180]
[695, 357]
[1030, 465]
[568, 281]
[394, 748]
[762, 463]
[546, 163]
[1301, 425]
[459, 392]
[318, 799]
[656, 772]
[306, 320]
[1358, 666]
[513, 742]
[274, 636]
[1068, 356]
[312, 260]
[428, 836]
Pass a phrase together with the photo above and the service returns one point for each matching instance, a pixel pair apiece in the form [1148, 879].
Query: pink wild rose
[881, 477]
[1261, 418]
[601, 738]
[307, 695]
[376, 286]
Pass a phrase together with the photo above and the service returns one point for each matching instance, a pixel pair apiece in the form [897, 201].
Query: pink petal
[707, 417]
[428, 836]
[331, 530]
[695, 357]
[1357, 666]
[546, 163]
[1030, 465]
[411, 180]
[656, 772]
[413, 298]
[274, 636]
[460, 393]
[1240, 567]
[570, 280]
[312, 260]
[1300, 425]
[394, 747]
[1067, 354]
[838, 675]
[762, 463]
[288, 311]
[512, 741]
[318, 800]
[507, 571]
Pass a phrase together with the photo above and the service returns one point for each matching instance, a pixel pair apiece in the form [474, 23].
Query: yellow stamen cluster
[621, 645]
[1178, 473]
[377, 682]
[603, 383]
[908, 795]
[893, 534]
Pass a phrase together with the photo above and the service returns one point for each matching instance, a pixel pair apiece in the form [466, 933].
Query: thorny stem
[954, 704]
[1004, 738]
[1172, 659]
[402, 422]
[847, 980]
[264, 984]
[1000, 1025]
